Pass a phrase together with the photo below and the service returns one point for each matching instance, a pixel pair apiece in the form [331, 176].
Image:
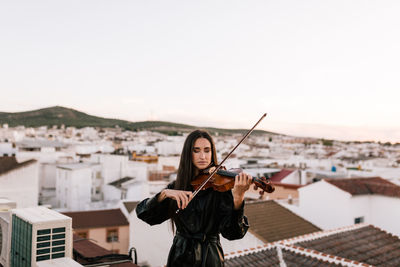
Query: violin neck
[232, 174]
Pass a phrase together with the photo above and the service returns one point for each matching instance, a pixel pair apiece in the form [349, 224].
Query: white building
[74, 186]
[7, 150]
[333, 203]
[19, 181]
[114, 167]
[40, 149]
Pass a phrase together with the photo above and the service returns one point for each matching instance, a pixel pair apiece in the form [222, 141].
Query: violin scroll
[263, 184]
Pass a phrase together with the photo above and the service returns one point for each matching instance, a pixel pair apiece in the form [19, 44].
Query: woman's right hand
[181, 197]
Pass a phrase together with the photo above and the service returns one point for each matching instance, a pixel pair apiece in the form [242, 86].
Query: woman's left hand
[242, 184]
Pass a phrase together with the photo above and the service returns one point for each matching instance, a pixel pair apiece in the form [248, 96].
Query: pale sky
[326, 69]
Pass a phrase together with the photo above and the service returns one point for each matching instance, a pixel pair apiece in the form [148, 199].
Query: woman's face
[202, 153]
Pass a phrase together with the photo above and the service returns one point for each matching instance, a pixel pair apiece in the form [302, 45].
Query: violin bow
[227, 156]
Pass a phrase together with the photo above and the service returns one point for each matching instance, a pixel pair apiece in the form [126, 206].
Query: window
[112, 235]
[359, 220]
[83, 234]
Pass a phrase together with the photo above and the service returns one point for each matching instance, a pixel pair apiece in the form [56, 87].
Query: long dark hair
[186, 169]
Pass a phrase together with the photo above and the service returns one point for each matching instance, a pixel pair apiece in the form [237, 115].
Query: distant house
[288, 176]
[332, 203]
[19, 181]
[286, 183]
[88, 253]
[356, 245]
[109, 228]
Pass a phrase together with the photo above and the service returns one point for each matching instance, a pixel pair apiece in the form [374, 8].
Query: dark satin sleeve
[153, 212]
[234, 224]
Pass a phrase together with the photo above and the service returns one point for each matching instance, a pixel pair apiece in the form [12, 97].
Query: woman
[199, 222]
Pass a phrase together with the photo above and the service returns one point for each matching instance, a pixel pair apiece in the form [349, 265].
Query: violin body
[223, 181]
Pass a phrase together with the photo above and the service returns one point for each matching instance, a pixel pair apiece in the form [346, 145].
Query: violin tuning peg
[255, 187]
[261, 193]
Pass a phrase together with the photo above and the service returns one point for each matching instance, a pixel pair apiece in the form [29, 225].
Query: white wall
[138, 191]
[74, 188]
[385, 213]
[329, 207]
[247, 242]
[114, 167]
[152, 243]
[47, 175]
[21, 185]
[325, 205]
[293, 178]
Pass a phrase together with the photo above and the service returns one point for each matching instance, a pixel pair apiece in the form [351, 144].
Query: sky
[326, 69]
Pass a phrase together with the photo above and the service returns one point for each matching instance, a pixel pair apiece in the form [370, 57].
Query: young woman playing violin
[208, 214]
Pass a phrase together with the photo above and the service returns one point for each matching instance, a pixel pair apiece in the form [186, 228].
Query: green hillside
[69, 117]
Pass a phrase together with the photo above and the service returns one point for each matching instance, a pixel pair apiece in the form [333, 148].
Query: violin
[223, 181]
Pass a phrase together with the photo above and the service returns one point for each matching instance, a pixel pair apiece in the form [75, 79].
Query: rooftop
[97, 218]
[356, 245]
[76, 166]
[270, 221]
[277, 177]
[8, 164]
[366, 186]
[87, 252]
[37, 143]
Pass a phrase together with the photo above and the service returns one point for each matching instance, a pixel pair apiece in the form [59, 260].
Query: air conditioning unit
[39, 234]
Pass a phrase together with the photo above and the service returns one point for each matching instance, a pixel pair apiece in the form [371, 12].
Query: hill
[69, 117]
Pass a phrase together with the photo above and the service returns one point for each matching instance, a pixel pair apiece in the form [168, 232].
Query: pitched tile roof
[8, 164]
[366, 186]
[366, 244]
[268, 257]
[87, 252]
[97, 218]
[270, 221]
[356, 245]
[271, 257]
[277, 177]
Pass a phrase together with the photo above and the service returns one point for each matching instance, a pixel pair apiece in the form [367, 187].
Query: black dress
[196, 242]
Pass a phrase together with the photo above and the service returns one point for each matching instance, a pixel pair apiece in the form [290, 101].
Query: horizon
[323, 69]
[208, 126]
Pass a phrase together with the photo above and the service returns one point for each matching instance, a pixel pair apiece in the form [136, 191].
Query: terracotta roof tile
[269, 257]
[87, 252]
[10, 163]
[270, 221]
[97, 218]
[366, 245]
[277, 177]
[366, 186]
